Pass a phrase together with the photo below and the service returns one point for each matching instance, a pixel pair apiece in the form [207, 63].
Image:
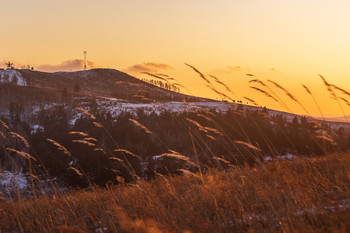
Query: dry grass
[140, 126]
[304, 195]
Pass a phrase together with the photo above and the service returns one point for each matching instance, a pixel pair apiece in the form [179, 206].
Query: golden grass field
[303, 195]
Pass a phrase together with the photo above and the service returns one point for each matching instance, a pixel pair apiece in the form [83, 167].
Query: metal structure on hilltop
[85, 62]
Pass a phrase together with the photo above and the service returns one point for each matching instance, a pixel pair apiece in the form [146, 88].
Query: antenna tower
[85, 56]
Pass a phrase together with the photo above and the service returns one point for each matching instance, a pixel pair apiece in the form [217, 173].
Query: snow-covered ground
[115, 106]
[19, 184]
[9, 180]
[12, 76]
[287, 156]
[35, 128]
[13, 184]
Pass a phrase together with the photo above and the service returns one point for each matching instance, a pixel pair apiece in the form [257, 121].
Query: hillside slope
[102, 82]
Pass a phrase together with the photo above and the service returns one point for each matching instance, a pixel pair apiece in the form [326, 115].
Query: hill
[102, 82]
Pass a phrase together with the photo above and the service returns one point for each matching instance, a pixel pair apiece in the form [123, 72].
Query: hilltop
[101, 82]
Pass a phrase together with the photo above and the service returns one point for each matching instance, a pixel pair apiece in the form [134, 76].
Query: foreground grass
[303, 195]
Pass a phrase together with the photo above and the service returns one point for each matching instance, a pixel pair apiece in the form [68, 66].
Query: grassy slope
[304, 195]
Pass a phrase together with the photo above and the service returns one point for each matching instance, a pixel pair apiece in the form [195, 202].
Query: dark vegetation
[207, 138]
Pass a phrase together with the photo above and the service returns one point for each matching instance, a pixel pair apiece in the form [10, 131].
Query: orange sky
[290, 42]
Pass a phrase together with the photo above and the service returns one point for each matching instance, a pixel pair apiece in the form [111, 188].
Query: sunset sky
[289, 42]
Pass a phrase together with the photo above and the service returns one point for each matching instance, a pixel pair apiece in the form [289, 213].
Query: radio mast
[85, 56]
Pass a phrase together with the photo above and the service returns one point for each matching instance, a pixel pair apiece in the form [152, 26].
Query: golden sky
[289, 42]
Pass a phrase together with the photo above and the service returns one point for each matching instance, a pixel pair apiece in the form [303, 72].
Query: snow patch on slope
[12, 76]
[115, 106]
